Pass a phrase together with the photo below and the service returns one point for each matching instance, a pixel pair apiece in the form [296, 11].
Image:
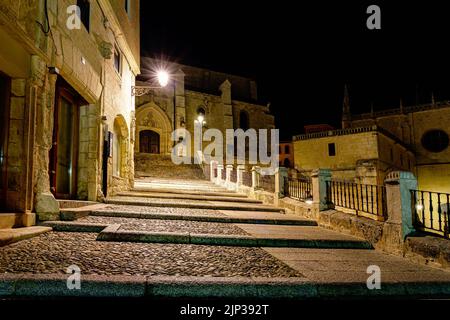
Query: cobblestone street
[159, 241]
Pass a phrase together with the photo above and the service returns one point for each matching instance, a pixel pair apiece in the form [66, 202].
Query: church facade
[223, 101]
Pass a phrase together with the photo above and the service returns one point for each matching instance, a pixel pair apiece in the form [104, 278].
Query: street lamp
[163, 78]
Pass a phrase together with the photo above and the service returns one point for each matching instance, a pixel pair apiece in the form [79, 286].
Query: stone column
[319, 179]
[225, 89]
[281, 173]
[228, 184]
[212, 165]
[219, 174]
[399, 221]
[180, 100]
[46, 206]
[240, 172]
[255, 171]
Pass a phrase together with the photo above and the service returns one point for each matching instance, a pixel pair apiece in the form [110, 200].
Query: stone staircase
[161, 166]
[198, 215]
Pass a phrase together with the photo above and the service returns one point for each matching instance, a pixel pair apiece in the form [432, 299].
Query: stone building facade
[225, 101]
[65, 98]
[286, 152]
[369, 146]
[425, 129]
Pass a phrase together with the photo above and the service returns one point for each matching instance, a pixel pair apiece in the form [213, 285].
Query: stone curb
[71, 214]
[224, 240]
[203, 218]
[55, 285]
[8, 236]
[189, 197]
[66, 226]
[194, 206]
[191, 192]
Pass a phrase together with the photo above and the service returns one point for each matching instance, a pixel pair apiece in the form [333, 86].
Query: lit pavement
[173, 269]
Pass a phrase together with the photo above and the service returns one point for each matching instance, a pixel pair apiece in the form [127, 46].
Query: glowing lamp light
[200, 118]
[419, 207]
[163, 78]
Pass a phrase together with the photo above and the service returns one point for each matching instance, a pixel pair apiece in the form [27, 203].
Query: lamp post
[163, 79]
[200, 122]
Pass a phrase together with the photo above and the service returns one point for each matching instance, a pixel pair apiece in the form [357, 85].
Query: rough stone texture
[54, 252]
[167, 225]
[164, 210]
[428, 250]
[365, 228]
[47, 207]
[150, 165]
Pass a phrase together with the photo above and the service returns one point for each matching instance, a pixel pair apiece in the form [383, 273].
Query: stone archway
[150, 117]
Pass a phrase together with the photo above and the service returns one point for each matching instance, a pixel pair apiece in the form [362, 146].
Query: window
[85, 12]
[117, 60]
[331, 149]
[435, 140]
[286, 149]
[287, 163]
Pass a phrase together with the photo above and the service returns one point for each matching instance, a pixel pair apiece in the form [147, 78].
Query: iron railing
[298, 188]
[247, 178]
[224, 174]
[431, 212]
[233, 175]
[362, 198]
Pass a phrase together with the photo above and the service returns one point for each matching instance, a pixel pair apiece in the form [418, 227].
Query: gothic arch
[151, 117]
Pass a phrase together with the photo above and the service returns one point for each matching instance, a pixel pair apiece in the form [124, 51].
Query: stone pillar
[46, 206]
[219, 174]
[319, 179]
[240, 172]
[255, 171]
[281, 173]
[399, 203]
[180, 100]
[212, 165]
[229, 168]
[225, 89]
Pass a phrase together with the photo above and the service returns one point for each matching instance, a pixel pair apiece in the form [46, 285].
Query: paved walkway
[211, 269]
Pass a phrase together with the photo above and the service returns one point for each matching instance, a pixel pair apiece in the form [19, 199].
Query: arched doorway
[150, 117]
[149, 142]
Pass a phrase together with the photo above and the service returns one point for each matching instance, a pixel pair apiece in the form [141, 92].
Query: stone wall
[33, 60]
[409, 125]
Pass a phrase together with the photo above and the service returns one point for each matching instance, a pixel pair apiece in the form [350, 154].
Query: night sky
[302, 55]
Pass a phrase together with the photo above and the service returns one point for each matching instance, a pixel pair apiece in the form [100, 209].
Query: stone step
[326, 240]
[187, 197]
[214, 205]
[265, 218]
[71, 214]
[53, 286]
[8, 236]
[74, 226]
[210, 192]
